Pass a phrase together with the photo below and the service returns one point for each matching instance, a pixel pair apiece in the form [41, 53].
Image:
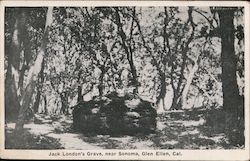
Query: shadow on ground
[27, 140]
[175, 130]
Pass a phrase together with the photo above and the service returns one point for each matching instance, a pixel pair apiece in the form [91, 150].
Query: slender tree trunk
[26, 57]
[21, 79]
[79, 93]
[37, 101]
[100, 86]
[188, 84]
[163, 91]
[63, 107]
[176, 104]
[128, 50]
[79, 88]
[39, 87]
[45, 105]
[64, 101]
[33, 75]
[134, 73]
[175, 99]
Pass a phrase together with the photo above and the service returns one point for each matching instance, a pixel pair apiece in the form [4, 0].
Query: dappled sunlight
[217, 138]
[72, 141]
[161, 125]
[191, 122]
[104, 142]
[147, 145]
[10, 126]
[171, 142]
[39, 129]
[193, 132]
[171, 133]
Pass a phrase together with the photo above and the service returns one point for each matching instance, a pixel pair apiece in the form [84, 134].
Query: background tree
[33, 75]
[22, 38]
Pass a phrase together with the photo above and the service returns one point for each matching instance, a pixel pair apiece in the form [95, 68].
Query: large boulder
[114, 115]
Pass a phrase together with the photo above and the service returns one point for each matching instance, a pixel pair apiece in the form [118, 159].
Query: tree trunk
[128, 50]
[79, 88]
[21, 79]
[26, 57]
[39, 87]
[45, 105]
[37, 101]
[12, 104]
[176, 104]
[163, 91]
[79, 93]
[15, 49]
[229, 79]
[233, 105]
[183, 99]
[64, 101]
[33, 75]
[134, 73]
[101, 77]
[27, 98]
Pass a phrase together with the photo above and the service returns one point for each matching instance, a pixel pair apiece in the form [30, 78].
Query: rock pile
[114, 115]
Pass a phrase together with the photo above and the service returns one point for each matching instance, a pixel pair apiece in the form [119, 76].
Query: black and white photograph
[124, 77]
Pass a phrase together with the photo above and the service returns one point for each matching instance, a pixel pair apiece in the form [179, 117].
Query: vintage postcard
[124, 80]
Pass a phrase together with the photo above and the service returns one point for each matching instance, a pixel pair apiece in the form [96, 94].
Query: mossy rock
[114, 115]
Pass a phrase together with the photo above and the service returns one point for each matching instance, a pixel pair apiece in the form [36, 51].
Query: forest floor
[183, 129]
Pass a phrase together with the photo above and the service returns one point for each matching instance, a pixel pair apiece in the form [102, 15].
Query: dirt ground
[175, 130]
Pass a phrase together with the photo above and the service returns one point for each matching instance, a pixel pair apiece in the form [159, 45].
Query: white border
[186, 154]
